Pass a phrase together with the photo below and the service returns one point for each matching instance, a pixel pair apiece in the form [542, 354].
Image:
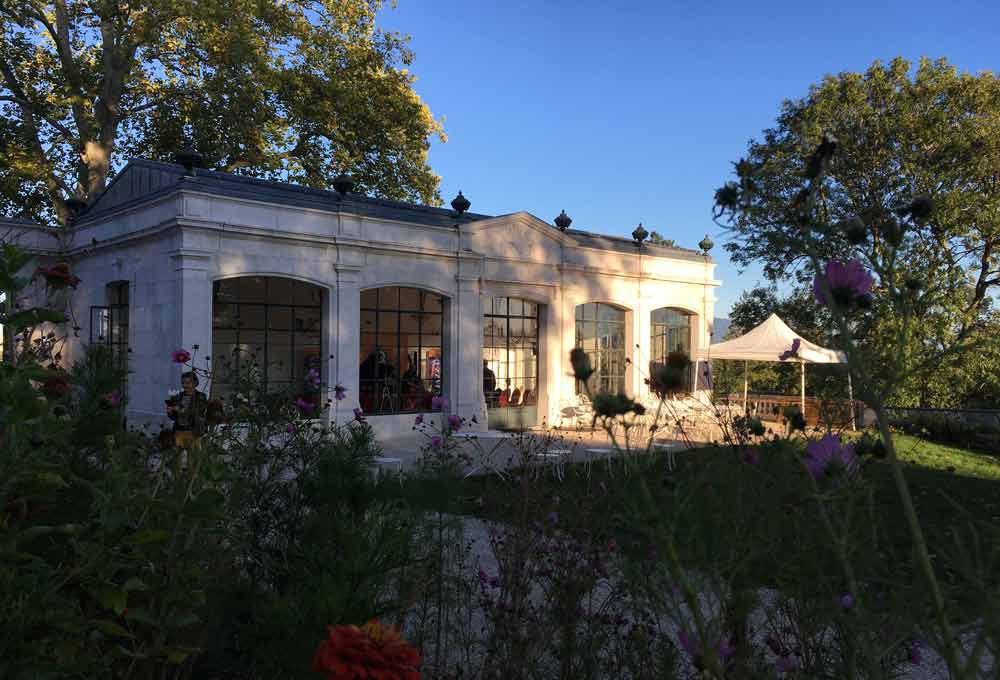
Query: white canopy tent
[773, 340]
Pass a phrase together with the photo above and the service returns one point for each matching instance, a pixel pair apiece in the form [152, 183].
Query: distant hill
[719, 329]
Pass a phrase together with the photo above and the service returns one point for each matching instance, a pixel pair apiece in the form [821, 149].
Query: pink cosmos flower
[454, 422]
[419, 419]
[180, 356]
[340, 393]
[847, 282]
[827, 456]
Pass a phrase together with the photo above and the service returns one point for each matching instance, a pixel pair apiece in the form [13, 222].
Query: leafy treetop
[300, 90]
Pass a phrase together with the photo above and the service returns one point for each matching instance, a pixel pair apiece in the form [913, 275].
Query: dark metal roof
[622, 244]
[142, 179]
[167, 177]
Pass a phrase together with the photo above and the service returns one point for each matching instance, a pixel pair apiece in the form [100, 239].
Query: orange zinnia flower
[373, 652]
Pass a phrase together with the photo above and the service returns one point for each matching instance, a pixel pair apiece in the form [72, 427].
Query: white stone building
[395, 302]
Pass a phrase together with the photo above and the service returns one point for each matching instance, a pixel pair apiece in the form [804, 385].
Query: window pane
[433, 302]
[369, 298]
[223, 316]
[500, 306]
[226, 290]
[409, 324]
[515, 306]
[251, 317]
[609, 313]
[409, 298]
[307, 319]
[530, 309]
[388, 298]
[252, 289]
[367, 322]
[279, 291]
[388, 322]
[306, 294]
[431, 324]
[280, 318]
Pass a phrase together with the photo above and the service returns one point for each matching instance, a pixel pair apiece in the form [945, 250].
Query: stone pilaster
[343, 314]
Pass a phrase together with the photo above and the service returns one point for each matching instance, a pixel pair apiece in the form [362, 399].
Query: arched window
[600, 332]
[510, 360]
[402, 358]
[269, 328]
[670, 331]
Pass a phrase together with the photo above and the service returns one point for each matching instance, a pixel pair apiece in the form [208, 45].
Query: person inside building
[489, 384]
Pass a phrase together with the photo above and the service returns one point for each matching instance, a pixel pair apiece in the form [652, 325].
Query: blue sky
[634, 111]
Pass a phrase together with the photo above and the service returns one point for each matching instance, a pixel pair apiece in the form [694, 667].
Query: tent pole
[802, 396]
[746, 384]
[850, 398]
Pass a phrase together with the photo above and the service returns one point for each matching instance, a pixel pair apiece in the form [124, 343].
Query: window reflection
[600, 332]
[510, 353]
[402, 364]
[267, 326]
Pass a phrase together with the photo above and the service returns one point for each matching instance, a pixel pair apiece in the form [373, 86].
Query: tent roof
[769, 341]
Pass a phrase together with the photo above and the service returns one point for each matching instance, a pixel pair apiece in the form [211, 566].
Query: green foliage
[900, 134]
[300, 90]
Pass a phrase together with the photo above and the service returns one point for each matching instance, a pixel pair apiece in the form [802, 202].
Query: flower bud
[582, 369]
[893, 232]
[921, 207]
[855, 230]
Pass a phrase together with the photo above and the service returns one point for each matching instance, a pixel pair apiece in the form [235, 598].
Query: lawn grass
[952, 489]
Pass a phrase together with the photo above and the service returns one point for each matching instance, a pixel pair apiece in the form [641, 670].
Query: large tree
[901, 133]
[294, 89]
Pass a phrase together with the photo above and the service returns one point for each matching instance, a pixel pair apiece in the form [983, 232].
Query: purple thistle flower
[688, 644]
[339, 393]
[455, 422]
[785, 664]
[359, 415]
[847, 282]
[827, 456]
[303, 405]
[724, 648]
[436, 442]
[419, 419]
[291, 428]
[439, 403]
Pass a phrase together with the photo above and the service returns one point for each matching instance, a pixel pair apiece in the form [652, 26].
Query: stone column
[552, 356]
[343, 330]
[641, 354]
[467, 380]
[192, 328]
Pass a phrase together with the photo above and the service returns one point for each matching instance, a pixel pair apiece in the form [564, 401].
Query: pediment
[517, 236]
